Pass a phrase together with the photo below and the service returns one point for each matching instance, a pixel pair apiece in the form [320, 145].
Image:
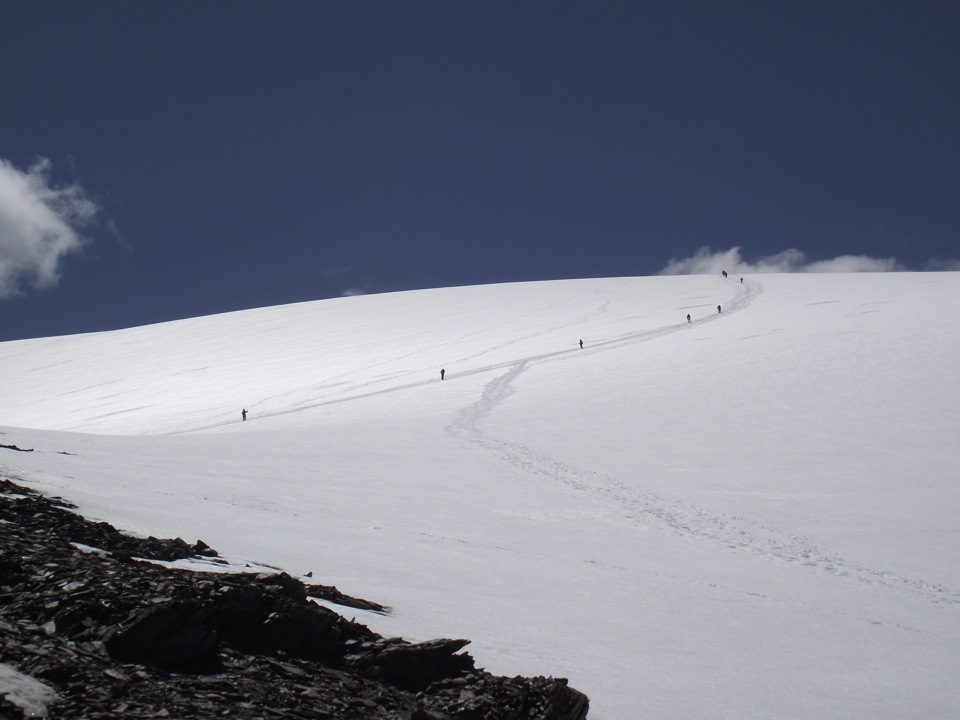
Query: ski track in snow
[649, 509]
[386, 383]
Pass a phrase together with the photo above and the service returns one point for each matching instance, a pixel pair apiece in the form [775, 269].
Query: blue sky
[161, 160]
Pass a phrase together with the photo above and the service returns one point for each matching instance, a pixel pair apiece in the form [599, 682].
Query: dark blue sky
[253, 153]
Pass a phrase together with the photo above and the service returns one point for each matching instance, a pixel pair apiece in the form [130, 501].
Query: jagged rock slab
[106, 635]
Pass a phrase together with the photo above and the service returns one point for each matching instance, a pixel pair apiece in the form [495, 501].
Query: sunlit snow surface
[753, 515]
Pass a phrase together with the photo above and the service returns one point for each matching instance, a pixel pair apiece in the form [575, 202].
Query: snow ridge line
[647, 508]
[500, 388]
[747, 292]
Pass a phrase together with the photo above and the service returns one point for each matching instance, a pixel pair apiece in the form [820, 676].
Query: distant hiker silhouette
[244, 414]
[442, 373]
[724, 273]
[581, 344]
[718, 308]
[688, 317]
[741, 279]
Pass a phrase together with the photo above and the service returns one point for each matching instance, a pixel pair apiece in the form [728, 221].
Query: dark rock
[11, 572]
[177, 636]
[412, 666]
[115, 637]
[202, 549]
[330, 593]
[276, 618]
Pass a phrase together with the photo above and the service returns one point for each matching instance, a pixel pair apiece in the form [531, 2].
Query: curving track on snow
[650, 509]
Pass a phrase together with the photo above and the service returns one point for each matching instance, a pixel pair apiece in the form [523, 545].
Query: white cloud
[353, 292]
[39, 225]
[706, 261]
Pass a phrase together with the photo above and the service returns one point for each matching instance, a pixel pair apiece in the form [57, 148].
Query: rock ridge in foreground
[90, 630]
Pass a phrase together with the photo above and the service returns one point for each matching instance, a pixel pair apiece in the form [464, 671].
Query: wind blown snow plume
[38, 226]
[705, 262]
[942, 265]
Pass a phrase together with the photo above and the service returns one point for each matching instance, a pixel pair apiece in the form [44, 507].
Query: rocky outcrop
[86, 620]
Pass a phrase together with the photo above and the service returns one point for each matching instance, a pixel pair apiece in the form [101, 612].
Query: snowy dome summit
[753, 514]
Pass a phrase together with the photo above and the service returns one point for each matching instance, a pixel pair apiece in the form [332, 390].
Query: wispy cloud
[330, 273]
[942, 265]
[353, 292]
[39, 225]
[706, 261]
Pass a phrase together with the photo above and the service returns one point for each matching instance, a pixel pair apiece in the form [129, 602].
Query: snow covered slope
[752, 515]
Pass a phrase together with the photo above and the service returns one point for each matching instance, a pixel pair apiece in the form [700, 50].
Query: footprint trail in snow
[650, 509]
